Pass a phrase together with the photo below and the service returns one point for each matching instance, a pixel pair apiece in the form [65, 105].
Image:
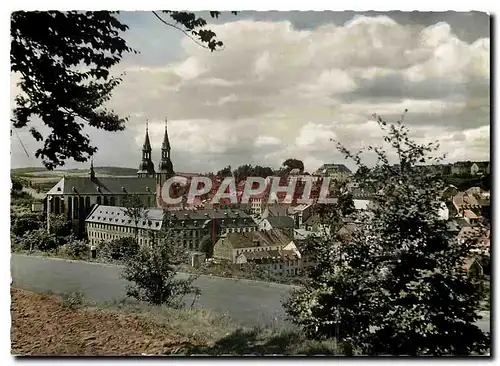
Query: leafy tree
[38, 239]
[60, 226]
[134, 208]
[290, 164]
[243, 172]
[17, 184]
[64, 61]
[226, 172]
[399, 287]
[262, 171]
[25, 222]
[346, 204]
[75, 248]
[118, 249]
[151, 273]
[207, 245]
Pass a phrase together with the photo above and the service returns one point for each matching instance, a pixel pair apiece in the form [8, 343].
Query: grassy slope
[89, 329]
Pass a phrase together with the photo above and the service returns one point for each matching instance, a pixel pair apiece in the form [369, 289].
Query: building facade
[76, 197]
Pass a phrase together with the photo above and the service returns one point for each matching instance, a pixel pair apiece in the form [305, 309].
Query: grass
[221, 334]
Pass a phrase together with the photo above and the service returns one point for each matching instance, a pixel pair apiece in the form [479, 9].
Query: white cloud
[267, 141]
[293, 90]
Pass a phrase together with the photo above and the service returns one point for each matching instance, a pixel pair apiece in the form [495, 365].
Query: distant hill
[109, 171]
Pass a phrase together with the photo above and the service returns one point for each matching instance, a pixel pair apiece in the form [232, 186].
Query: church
[76, 196]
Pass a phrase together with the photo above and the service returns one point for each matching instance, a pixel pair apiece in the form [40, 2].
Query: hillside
[102, 171]
[66, 325]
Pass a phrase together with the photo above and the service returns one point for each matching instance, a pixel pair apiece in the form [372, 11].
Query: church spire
[166, 168]
[147, 144]
[146, 168]
[166, 142]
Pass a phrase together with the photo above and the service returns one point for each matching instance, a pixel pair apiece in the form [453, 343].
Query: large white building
[188, 227]
[76, 197]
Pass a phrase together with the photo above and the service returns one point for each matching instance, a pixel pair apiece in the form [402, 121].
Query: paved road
[251, 303]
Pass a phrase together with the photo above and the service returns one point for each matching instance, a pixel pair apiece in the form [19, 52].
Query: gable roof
[106, 185]
[264, 238]
[278, 222]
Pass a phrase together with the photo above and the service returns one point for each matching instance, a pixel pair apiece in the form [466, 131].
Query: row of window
[97, 236]
[238, 230]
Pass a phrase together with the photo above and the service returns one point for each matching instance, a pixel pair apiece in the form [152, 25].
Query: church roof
[105, 185]
[147, 144]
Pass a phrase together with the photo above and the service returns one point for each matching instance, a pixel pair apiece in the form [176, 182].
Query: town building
[470, 168]
[284, 223]
[189, 227]
[106, 223]
[272, 250]
[76, 197]
[338, 172]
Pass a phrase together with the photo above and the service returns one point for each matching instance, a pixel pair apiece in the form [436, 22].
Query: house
[461, 168]
[302, 234]
[338, 172]
[317, 225]
[470, 168]
[463, 201]
[300, 213]
[284, 223]
[474, 268]
[345, 233]
[480, 167]
[276, 262]
[231, 245]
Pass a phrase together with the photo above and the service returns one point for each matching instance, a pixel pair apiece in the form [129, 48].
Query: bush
[119, 249]
[38, 240]
[72, 300]
[75, 249]
[25, 222]
[152, 275]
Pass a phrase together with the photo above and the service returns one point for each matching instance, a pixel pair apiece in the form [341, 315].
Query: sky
[286, 83]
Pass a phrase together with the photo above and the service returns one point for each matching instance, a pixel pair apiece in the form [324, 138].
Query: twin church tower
[165, 167]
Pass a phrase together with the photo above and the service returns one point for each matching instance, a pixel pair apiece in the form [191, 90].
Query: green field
[44, 179]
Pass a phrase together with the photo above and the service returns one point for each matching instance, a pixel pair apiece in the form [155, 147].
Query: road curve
[248, 302]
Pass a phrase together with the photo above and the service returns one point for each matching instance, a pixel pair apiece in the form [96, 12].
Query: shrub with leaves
[72, 300]
[37, 240]
[151, 273]
[399, 286]
[25, 222]
[77, 249]
[118, 249]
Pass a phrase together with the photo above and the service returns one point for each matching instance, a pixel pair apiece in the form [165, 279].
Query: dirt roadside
[42, 325]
